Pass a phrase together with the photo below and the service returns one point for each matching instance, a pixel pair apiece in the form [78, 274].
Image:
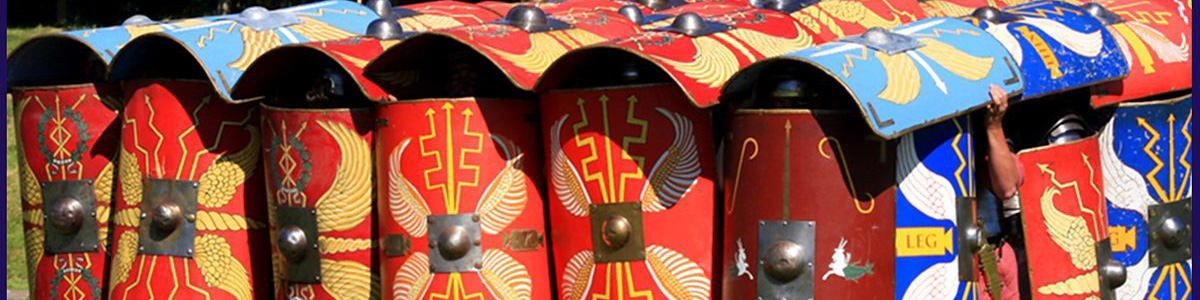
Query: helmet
[1067, 129]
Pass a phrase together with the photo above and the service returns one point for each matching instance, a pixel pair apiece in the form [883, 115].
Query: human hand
[999, 105]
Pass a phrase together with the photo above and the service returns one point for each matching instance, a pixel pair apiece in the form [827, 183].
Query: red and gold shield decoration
[606, 164]
[1064, 218]
[189, 161]
[319, 160]
[69, 140]
[833, 19]
[462, 163]
[959, 8]
[1156, 38]
[772, 159]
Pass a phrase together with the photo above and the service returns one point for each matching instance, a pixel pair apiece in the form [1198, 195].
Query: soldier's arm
[1002, 164]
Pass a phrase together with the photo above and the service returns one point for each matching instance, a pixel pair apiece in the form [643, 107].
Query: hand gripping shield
[924, 209]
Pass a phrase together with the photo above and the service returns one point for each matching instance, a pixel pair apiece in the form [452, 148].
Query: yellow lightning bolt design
[640, 139]
[963, 161]
[1187, 124]
[1074, 186]
[321, 12]
[589, 142]
[850, 61]
[1041, 12]
[454, 288]
[462, 156]
[1158, 163]
[624, 280]
[212, 34]
[437, 157]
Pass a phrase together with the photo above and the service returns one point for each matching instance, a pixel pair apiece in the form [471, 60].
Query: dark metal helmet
[329, 87]
[1067, 129]
[785, 91]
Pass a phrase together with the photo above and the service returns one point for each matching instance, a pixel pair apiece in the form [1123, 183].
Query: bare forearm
[1005, 176]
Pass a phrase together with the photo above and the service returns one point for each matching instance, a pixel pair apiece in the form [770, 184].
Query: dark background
[100, 13]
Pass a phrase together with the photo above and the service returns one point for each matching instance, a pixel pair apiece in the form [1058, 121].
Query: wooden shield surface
[787, 165]
[1064, 216]
[66, 134]
[179, 131]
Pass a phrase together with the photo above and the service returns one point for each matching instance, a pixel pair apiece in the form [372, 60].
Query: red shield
[181, 131]
[1064, 216]
[445, 158]
[787, 165]
[66, 133]
[321, 159]
[1155, 39]
[644, 145]
[833, 19]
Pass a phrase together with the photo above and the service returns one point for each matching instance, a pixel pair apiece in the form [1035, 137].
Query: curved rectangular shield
[188, 177]
[813, 180]
[1065, 220]
[1058, 46]
[461, 206]
[935, 173]
[1145, 152]
[68, 140]
[1155, 37]
[924, 72]
[319, 184]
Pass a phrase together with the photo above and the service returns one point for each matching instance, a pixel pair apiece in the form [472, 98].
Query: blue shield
[932, 70]
[934, 171]
[1146, 158]
[1058, 46]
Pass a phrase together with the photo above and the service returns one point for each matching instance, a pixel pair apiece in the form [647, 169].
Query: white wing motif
[676, 170]
[567, 184]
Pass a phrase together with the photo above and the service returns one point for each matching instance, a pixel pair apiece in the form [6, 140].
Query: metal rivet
[141, 249]
[195, 184]
[189, 251]
[191, 217]
[475, 218]
[478, 265]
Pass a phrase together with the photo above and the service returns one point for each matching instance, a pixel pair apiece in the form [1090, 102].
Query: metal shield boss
[630, 181]
[189, 161]
[841, 221]
[319, 186]
[1066, 223]
[1154, 38]
[1146, 161]
[460, 205]
[68, 136]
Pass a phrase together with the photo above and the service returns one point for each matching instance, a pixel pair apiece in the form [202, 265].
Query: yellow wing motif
[315, 30]
[677, 275]
[254, 44]
[103, 192]
[346, 279]
[960, 63]
[713, 63]
[219, 183]
[543, 50]
[30, 188]
[219, 221]
[348, 201]
[127, 217]
[903, 80]
[676, 170]
[770, 45]
[220, 269]
[407, 207]
[1083, 284]
[412, 279]
[856, 12]
[577, 276]
[122, 261]
[130, 178]
[421, 23]
[563, 176]
[335, 245]
[505, 276]
[35, 239]
[506, 196]
[1069, 232]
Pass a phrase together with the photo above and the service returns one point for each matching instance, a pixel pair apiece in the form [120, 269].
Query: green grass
[16, 36]
[18, 278]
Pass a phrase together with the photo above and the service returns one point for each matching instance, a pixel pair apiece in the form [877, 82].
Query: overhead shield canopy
[1058, 46]
[275, 71]
[1157, 49]
[912, 76]
[225, 46]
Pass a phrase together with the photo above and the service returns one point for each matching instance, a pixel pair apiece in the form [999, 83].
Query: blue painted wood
[948, 76]
[1059, 47]
[1135, 178]
[225, 47]
[934, 167]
